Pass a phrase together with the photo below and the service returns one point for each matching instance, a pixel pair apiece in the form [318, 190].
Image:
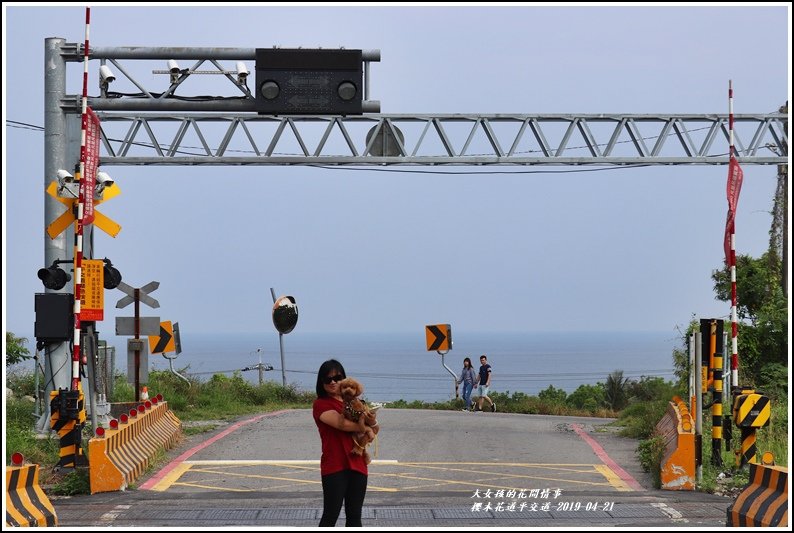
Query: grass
[517, 402]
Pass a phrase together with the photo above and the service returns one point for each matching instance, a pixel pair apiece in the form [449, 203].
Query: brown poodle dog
[357, 411]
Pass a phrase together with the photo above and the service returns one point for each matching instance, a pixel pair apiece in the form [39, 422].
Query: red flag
[727, 242]
[735, 177]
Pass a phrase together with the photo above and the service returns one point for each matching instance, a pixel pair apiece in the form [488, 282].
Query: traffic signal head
[111, 275]
[53, 277]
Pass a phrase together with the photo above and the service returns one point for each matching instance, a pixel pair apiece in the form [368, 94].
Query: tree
[761, 302]
[15, 349]
[615, 390]
[757, 283]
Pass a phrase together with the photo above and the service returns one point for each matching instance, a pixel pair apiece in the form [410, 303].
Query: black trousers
[348, 486]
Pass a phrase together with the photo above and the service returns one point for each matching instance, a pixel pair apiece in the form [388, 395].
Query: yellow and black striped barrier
[67, 418]
[26, 503]
[764, 501]
[119, 455]
[751, 410]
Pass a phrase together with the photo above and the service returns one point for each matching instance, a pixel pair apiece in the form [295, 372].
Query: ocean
[396, 366]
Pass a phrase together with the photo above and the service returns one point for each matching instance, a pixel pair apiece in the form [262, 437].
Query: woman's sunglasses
[336, 378]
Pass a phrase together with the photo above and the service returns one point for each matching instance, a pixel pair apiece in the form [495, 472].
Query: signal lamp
[111, 274]
[54, 277]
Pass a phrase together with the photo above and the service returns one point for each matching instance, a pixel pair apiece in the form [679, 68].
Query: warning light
[148, 404]
[141, 408]
[17, 459]
[159, 397]
[112, 277]
[53, 277]
[124, 418]
[133, 413]
[100, 432]
[114, 424]
[154, 400]
[768, 459]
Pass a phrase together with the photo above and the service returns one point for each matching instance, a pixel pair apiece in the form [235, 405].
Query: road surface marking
[631, 483]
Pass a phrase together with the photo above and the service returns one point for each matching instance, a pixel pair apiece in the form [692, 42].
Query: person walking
[484, 381]
[467, 377]
[344, 475]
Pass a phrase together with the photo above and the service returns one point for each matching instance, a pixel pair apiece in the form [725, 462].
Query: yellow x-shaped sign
[68, 217]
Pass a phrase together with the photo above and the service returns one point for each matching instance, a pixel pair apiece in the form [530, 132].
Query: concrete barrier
[123, 453]
[26, 503]
[764, 501]
[678, 431]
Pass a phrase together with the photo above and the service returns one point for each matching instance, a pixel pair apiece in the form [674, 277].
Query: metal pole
[698, 408]
[55, 150]
[454, 377]
[111, 371]
[692, 372]
[90, 351]
[137, 350]
[261, 370]
[281, 346]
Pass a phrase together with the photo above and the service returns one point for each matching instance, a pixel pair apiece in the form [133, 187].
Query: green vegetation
[15, 349]
[651, 453]
[219, 398]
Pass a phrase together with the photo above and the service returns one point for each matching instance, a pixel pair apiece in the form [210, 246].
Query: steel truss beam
[243, 139]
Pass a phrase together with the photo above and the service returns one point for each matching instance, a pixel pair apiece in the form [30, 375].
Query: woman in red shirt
[344, 475]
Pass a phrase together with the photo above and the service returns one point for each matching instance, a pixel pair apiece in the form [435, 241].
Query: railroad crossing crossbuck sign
[143, 295]
[439, 337]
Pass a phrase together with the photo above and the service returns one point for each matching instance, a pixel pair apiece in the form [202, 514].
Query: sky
[363, 251]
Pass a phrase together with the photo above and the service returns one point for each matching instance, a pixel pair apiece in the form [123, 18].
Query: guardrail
[764, 501]
[26, 503]
[678, 431]
[119, 455]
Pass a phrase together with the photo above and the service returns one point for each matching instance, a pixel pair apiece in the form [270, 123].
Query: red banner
[735, 177]
[727, 241]
[91, 162]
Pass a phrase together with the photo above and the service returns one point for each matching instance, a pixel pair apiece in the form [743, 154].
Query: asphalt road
[431, 469]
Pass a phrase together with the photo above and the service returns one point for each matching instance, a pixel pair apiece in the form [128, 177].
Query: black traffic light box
[307, 81]
[54, 316]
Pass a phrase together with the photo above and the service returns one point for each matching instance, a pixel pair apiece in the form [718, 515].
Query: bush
[552, 395]
[22, 382]
[650, 388]
[588, 397]
[640, 418]
[650, 453]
